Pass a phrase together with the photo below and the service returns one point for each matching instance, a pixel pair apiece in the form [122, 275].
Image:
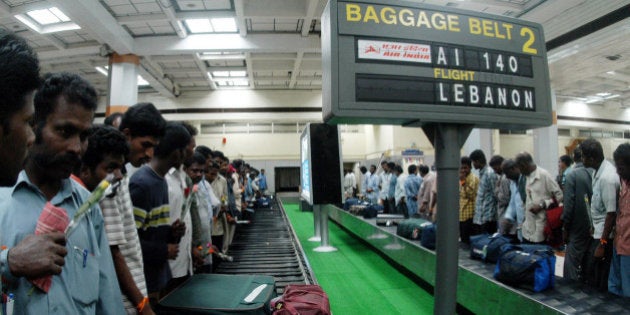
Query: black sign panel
[395, 62]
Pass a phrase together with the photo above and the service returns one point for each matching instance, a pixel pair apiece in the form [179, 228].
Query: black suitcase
[221, 294]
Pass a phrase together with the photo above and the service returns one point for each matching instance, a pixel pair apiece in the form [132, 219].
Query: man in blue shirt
[412, 187]
[64, 109]
[262, 181]
[514, 216]
[20, 78]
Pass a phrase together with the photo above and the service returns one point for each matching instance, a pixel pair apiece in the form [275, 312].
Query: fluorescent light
[28, 22]
[199, 25]
[59, 14]
[220, 73]
[611, 96]
[593, 100]
[224, 25]
[239, 73]
[142, 81]
[240, 82]
[43, 17]
[611, 72]
[603, 94]
[102, 70]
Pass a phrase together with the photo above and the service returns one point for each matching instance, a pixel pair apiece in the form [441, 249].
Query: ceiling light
[142, 81]
[593, 100]
[603, 94]
[611, 72]
[102, 70]
[199, 25]
[240, 73]
[611, 96]
[224, 25]
[241, 82]
[220, 73]
[48, 16]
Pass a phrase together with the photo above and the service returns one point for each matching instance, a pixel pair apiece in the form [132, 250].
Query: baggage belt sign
[406, 63]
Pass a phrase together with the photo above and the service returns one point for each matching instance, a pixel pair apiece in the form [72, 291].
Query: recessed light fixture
[46, 21]
[611, 72]
[216, 25]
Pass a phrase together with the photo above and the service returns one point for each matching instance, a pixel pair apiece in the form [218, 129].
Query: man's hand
[196, 257]
[599, 252]
[535, 209]
[38, 255]
[178, 228]
[173, 250]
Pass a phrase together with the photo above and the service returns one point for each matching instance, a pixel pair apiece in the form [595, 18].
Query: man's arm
[109, 298]
[569, 204]
[125, 279]
[35, 256]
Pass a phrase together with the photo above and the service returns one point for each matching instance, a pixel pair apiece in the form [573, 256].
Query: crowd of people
[170, 206]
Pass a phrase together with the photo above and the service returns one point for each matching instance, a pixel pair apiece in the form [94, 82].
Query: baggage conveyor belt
[268, 246]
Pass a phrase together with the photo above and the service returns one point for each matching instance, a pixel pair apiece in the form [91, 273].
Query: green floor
[356, 279]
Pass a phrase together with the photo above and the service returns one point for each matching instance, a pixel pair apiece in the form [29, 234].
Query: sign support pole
[317, 214]
[323, 225]
[447, 140]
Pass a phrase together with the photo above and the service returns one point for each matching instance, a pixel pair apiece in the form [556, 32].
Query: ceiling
[277, 43]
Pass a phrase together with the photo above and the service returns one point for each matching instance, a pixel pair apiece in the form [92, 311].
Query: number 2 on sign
[527, 46]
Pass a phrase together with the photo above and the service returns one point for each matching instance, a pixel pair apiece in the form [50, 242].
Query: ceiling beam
[53, 55]
[308, 19]
[204, 71]
[92, 16]
[250, 69]
[167, 8]
[240, 19]
[154, 75]
[296, 69]
[171, 45]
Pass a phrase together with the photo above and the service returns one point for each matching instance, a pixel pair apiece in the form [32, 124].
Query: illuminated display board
[320, 164]
[395, 62]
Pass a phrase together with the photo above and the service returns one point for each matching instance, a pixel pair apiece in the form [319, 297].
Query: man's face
[62, 140]
[140, 148]
[512, 173]
[372, 169]
[561, 165]
[190, 149]
[223, 165]
[385, 168]
[111, 164]
[477, 164]
[15, 139]
[497, 168]
[464, 169]
[212, 175]
[623, 169]
[196, 171]
[523, 168]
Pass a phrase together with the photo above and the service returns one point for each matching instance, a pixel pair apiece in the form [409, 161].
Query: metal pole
[317, 223]
[323, 217]
[448, 139]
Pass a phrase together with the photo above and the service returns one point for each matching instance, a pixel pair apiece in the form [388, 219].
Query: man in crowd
[619, 278]
[564, 168]
[64, 110]
[576, 219]
[372, 185]
[512, 221]
[262, 181]
[468, 187]
[541, 191]
[399, 193]
[142, 126]
[485, 218]
[424, 195]
[412, 187]
[149, 195]
[195, 168]
[383, 194]
[603, 210]
[35, 255]
[501, 189]
[365, 176]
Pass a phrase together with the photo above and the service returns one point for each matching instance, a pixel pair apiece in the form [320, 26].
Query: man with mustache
[64, 109]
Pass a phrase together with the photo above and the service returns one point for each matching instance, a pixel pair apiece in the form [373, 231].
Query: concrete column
[546, 142]
[479, 139]
[123, 82]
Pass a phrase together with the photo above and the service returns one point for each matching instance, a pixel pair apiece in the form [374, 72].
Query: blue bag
[428, 236]
[350, 202]
[493, 249]
[531, 267]
[478, 246]
[372, 211]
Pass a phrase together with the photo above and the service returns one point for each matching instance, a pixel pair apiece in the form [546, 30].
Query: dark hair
[219, 154]
[237, 164]
[383, 162]
[19, 74]
[423, 169]
[465, 161]
[109, 120]
[593, 149]
[374, 166]
[577, 154]
[104, 141]
[73, 88]
[391, 165]
[213, 165]
[143, 119]
[478, 156]
[192, 130]
[496, 160]
[566, 160]
[176, 137]
[412, 168]
[363, 169]
[207, 152]
[196, 158]
[622, 153]
[508, 164]
[399, 169]
[524, 158]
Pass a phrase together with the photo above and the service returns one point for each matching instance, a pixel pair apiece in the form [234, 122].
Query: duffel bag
[493, 249]
[428, 236]
[350, 202]
[301, 299]
[372, 211]
[529, 267]
[478, 246]
[411, 228]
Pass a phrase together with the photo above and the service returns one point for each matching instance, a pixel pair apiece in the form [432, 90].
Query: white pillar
[546, 142]
[479, 139]
[123, 82]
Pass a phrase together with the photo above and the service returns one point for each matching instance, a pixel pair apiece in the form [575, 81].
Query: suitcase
[221, 294]
[372, 211]
[411, 228]
[357, 209]
[262, 202]
[350, 202]
[389, 219]
[427, 240]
